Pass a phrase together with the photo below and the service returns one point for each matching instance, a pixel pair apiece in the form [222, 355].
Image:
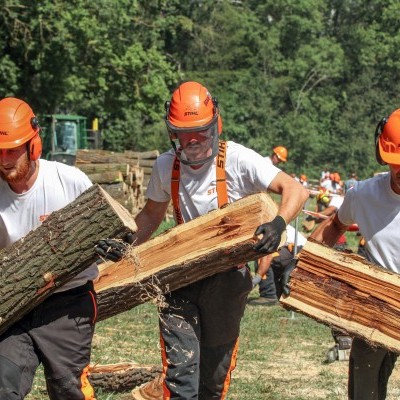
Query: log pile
[209, 244]
[123, 175]
[49, 256]
[345, 291]
[121, 377]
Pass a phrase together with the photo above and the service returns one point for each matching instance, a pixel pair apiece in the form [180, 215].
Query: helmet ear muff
[35, 148]
[378, 132]
[35, 144]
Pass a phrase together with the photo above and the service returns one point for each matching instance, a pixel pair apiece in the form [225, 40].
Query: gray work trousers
[199, 335]
[369, 371]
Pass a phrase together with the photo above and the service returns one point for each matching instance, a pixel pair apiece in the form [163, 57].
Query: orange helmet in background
[192, 109]
[281, 152]
[303, 178]
[387, 139]
[19, 125]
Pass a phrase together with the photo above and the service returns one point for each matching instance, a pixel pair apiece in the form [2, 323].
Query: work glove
[285, 277]
[272, 233]
[113, 249]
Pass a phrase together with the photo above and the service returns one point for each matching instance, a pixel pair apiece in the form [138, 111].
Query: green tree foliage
[313, 75]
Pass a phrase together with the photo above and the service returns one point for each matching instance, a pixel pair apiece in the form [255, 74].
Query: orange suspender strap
[222, 191]
[175, 176]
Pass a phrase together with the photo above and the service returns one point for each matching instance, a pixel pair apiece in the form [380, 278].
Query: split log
[209, 244]
[55, 252]
[345, 291]
[121, 377]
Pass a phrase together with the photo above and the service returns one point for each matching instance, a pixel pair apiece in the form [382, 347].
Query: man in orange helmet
[303, 180]
[267, 285]
[279, 155]
[373, 204]
[199, 324]
[58, 332]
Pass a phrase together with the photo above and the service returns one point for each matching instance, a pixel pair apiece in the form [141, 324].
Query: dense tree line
[313, 75]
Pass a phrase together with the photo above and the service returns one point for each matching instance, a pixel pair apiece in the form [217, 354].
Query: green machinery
[64, 134]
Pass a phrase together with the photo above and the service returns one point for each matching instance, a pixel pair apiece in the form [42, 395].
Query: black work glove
[112, 249]
[285, 277]
[272, 233]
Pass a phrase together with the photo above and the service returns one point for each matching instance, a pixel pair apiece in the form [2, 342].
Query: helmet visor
[195, 145]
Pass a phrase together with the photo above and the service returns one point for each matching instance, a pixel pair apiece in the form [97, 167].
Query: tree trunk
[121, 377]
[345, 291]
[209, 244]
[55, 252]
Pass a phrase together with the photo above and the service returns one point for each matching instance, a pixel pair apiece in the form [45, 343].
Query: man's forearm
[292, 202]
[329, 231]
[149, 219]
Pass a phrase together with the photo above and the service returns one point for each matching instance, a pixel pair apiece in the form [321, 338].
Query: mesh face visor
[206, 136]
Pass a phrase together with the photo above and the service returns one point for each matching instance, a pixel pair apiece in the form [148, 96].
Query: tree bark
[345, 291]
[209, 244]
[49, 256]
[121, 377]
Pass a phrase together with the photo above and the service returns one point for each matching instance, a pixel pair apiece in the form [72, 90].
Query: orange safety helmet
[303, 178]
[19, 125]
[387, 139]
[191, 110]
[281, 152]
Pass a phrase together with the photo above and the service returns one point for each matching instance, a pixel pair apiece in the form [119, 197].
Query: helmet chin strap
[182, 157]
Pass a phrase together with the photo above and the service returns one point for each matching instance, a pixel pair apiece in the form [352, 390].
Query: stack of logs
[123, 175]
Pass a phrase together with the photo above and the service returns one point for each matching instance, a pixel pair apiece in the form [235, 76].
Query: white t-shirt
[336, 201]
[375, 207]
[56, 186]
[247, 172]
[291, 236]
[268, 159]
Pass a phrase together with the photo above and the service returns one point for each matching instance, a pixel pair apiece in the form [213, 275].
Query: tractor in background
[64, 134]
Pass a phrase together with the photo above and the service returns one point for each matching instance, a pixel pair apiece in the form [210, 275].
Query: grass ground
[281, 355]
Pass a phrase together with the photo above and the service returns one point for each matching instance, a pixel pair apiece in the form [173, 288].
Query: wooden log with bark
[130, 164]
[143, 155]
[344, 290]
[107, 177]
[212, 243]
[121, 377]
[99, 168]
[104, 156]
[49, 256]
